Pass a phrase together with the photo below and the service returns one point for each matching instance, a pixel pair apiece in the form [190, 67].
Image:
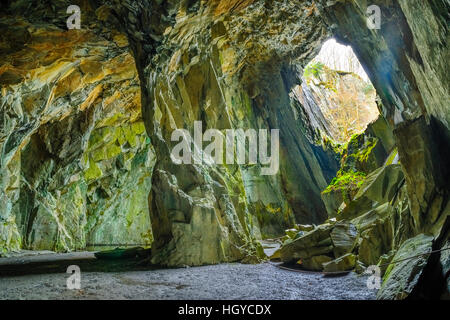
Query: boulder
[376, 234]
[384, 261]
[305, 253]
[382, 184]
[343, 237]
[379, 187]
[342, 189]
[371, 217]
[304, 227]
[315, 263]
[275, 255]
[345, 263]
[401, 277]
[315, 242]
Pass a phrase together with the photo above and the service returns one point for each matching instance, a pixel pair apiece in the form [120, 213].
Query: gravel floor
[224, 281]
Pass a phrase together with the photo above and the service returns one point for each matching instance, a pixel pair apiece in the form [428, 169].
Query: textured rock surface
[343, 237]
[76, 163]
[315, 263]
[192, 66]
[313, 243]
[401, 278]
[202, 71]
[405, 61]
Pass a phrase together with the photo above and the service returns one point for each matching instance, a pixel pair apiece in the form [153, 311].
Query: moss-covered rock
[401, 277]
[75, 160]
[379, 187]
[342, 189]
[362, 155]
[344, 263]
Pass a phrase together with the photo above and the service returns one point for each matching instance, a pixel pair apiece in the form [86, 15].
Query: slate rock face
[343, 237]
[76, 163]
[194, 66]
[400, 278]
[313, 243]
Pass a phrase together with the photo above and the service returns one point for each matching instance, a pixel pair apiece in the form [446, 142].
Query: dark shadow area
[88, 262]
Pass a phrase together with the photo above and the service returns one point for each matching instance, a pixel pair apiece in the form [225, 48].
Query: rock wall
[400, 212]
[194, 66]
[76, 163]
[405, 60]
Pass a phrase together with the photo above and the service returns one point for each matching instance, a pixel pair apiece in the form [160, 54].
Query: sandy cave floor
[231, 281]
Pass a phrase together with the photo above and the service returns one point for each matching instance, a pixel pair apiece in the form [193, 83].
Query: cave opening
[335, 85]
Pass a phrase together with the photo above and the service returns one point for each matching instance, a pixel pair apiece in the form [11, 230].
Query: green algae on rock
[76, 162]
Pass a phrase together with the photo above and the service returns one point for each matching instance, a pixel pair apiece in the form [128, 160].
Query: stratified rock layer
[76, 162]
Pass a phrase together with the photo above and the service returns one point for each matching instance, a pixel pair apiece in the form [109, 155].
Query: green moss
[10, 239]
[346, 181]
[354, 143]
[313, 69]
[358, 153]
[328, 143]
[93, 172]
[102, 136]
[364, 153]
